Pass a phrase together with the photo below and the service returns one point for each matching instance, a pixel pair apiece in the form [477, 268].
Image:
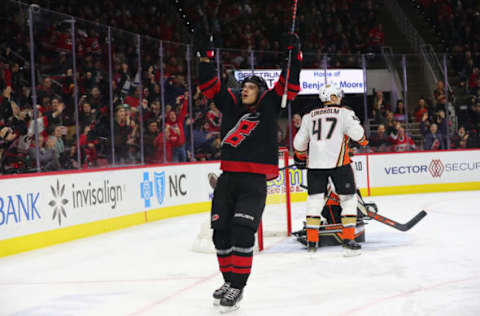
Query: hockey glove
[300, 159]
[203, 44]
[363, 141]
[292, 43]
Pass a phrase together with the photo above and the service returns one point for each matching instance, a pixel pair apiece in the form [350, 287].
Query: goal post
[285, 193]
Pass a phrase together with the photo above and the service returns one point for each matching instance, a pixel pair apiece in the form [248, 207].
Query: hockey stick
[292, 29]
[385, 220]
[181, 13]
[286, 167]
[395, 224]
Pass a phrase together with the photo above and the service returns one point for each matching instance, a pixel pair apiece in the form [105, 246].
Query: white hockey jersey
[324, 133]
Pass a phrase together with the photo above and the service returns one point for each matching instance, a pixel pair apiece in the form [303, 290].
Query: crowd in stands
[457, 23]
[430, 115]
[170, 133]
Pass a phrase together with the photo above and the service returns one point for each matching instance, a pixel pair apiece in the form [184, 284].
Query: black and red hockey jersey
[249, 139]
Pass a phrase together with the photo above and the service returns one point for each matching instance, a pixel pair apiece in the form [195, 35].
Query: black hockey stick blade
[402, 227]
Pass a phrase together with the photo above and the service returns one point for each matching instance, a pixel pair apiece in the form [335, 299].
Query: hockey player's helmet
[328, 90]
[259, 81]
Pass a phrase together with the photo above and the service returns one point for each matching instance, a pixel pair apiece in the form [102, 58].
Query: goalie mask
[328, 90]
[259, 82]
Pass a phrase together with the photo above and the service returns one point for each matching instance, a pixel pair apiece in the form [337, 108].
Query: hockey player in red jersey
[323, 138]
[249, 157]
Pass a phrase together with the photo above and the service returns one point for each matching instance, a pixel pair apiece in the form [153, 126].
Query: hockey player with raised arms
[249, 157]
[323, 139]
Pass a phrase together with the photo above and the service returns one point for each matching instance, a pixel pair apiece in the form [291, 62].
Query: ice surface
[433, 269]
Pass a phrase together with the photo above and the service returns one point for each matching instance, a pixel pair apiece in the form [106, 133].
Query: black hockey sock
[243, 239]
[223, 246]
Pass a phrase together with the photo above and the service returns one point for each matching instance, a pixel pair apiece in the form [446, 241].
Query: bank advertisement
[42, 203]
[311, 80]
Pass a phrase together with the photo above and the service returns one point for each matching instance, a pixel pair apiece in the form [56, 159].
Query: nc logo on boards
[147, 187]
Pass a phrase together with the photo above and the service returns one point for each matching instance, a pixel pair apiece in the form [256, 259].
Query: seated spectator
[434, 140]
[401, 141]
[45, 88]
[47, 155]
[474, 81]
[55, 115]
[459, 140]
[420, 109]
[379, 141]
[400, 114]
[133, 99]
[204, 142]
[376, 38]
[294, 126]
[389, 122]
[56, 138]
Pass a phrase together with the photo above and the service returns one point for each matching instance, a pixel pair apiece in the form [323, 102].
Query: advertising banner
[424, 168]
[311, 80]
[36, 204]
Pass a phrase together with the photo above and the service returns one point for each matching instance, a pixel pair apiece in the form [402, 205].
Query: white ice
[433, 269]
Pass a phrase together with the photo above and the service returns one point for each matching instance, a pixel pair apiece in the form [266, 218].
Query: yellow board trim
[48, 238]
[425, 188]
[178, 210]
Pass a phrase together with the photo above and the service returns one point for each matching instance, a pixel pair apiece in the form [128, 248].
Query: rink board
[46, 209]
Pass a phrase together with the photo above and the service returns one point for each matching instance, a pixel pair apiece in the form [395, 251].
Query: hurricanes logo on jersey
[241, 130]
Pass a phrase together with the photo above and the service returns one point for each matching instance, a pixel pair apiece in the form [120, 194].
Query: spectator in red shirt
[421, 108]
[175, 125]
[214, 118]
[474, 81]
[401, 141]
[133, 100]
[376, 37]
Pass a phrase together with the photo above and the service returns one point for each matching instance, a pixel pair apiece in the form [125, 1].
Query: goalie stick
[387, 221]
[380, 218]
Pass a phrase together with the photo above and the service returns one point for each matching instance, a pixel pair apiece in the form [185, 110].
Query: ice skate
[351, 248]
[312, 247]
[219, 293]
[230, 299]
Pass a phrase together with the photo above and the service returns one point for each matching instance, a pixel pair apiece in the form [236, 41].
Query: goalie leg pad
[348, 204]
[348, 230]
[349, 215]
[315, 203]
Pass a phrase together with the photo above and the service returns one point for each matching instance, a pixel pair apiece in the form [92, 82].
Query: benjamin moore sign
[350, 80]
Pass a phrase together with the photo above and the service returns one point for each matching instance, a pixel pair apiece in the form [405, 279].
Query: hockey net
[279, 210]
